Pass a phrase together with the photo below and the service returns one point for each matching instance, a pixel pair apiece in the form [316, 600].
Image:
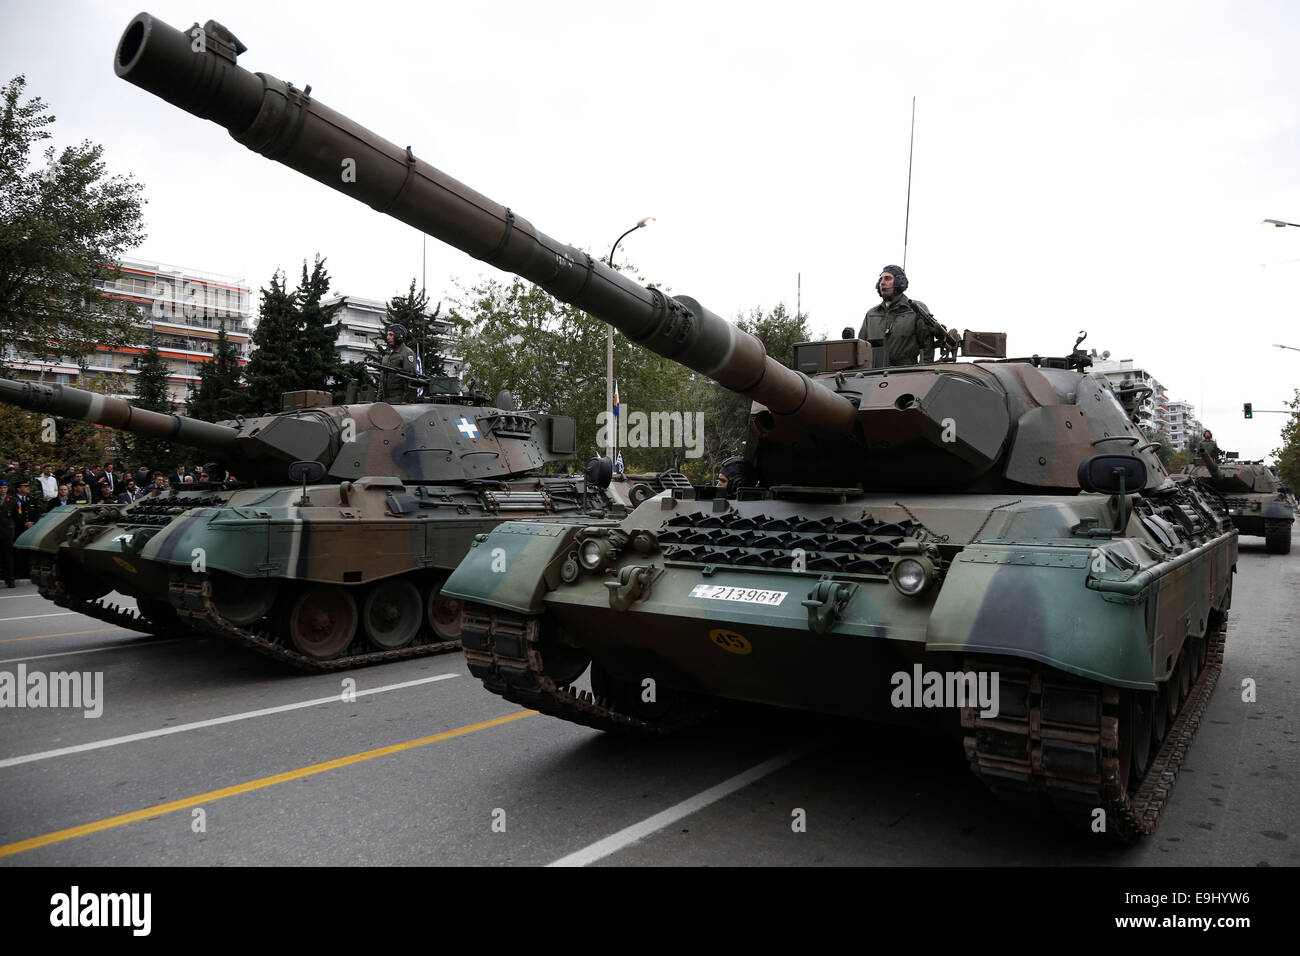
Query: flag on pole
[618, 464]
[616, 398]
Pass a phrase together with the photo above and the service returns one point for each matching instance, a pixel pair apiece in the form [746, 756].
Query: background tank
[1257, 500]
[329, 544]
[1002, 519]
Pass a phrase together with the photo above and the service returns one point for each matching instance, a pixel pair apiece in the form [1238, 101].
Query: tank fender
[1274, 511]
[49, 532]
[513, 566]
[1035, 603]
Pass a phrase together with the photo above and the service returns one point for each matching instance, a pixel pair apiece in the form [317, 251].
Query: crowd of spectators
[25, 497]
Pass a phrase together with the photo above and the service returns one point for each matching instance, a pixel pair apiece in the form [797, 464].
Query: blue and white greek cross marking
[468, 428]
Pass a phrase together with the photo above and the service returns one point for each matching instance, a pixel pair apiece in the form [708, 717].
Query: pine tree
[423, 329]
[275, 345]
[317, 361]
[218, 396]
[151, 394]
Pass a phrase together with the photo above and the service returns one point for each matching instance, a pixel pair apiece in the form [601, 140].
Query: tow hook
[633, 583]
[825, 602]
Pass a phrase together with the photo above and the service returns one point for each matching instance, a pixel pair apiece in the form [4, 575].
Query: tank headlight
[911, 576]
[592, 553]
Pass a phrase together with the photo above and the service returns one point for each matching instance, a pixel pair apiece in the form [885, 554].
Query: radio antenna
[907, 218]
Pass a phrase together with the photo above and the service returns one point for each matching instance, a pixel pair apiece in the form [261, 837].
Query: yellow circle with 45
[730, 641]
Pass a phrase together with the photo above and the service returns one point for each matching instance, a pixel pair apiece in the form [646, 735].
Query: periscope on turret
[1002, 517]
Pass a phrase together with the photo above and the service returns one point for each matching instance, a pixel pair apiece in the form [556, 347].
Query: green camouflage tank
[989, 546]
[1260, 505]
[331, 548]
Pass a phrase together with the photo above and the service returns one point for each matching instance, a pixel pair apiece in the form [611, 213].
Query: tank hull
[258, 565]
[709, 600]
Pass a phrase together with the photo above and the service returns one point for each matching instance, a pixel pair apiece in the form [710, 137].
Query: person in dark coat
[6, 535]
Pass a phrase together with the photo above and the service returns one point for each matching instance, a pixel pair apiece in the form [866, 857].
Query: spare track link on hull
[190, 593]
[503, 650]
[1060, 745]
[49, 585]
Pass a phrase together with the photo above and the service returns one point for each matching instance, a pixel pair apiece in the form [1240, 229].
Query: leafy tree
[552, 358]
[218, 395]
[274, 348]
[1287, 458]
[60, 227]
[1179, 461]
[36, 438]
[1164, 448]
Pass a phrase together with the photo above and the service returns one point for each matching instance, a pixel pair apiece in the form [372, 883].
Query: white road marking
[93, 650]
[214, 722]
[638, 831]
[28, 617]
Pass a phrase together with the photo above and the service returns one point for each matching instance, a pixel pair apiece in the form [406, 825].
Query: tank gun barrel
[197, 71]
[68, 402]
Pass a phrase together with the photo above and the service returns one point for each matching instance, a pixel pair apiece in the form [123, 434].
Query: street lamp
[611, 432]
[1278, 223]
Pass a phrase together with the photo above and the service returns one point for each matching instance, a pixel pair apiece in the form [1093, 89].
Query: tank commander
[1209, 446]
[398, 358]
[734, 473]
[905, 325]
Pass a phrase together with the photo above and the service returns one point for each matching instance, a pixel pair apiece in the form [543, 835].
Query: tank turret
[418, 443]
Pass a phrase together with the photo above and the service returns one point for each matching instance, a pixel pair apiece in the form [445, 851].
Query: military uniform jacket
[903, 331]
[397, 388]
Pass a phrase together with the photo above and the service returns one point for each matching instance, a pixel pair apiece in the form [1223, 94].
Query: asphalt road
[205, 754]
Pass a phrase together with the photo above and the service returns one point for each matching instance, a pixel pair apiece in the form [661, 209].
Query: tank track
[504, 651]
[1059, 742]
[50, 586]
[190, 593]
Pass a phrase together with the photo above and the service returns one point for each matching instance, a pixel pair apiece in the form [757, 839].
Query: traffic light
[1246, 408]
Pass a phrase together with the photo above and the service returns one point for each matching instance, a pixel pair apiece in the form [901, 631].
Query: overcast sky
[1098, 166]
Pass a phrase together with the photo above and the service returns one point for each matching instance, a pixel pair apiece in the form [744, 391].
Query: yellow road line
[38, 637]
[58, 836]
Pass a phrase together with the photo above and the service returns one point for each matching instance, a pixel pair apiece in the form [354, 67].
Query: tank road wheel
[391, 614]
[443, 612]
[242, 601]
[322, 621]
[1135, 735]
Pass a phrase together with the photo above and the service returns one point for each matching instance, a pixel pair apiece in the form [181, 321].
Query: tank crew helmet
[399, 333]
[900, 279]
[736, 471]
